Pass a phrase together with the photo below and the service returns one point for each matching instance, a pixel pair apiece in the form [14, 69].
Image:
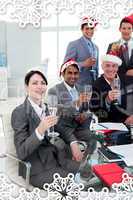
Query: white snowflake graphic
[58, 6]
[126, 184]
[64, 188]
[3, 5]
[27, 12]
[104, 10]
[32, 11]
[53, 7]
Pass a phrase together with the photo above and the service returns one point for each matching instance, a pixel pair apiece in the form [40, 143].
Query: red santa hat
[67, 64]
[111, 58]
[129, 18]
[92, 22]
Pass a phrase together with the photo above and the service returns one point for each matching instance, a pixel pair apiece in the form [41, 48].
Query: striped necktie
[126, 53]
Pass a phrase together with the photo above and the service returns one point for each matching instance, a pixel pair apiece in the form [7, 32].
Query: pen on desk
[103, 126]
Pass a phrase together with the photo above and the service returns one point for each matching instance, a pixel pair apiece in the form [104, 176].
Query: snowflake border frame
[30, 12]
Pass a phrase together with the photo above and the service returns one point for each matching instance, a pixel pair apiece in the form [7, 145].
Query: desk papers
[110, 126]
[125, 151]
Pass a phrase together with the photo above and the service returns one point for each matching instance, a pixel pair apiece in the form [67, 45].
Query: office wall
[23, 52]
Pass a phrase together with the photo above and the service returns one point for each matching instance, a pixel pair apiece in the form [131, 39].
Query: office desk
[106, 156]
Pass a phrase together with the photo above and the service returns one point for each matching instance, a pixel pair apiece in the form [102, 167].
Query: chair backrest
[11, 166]
[8, 133]
[6, 111]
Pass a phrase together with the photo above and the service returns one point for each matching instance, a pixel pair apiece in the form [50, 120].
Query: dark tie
[126, 53]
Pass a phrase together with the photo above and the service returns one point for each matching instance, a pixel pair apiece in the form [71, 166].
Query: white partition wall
[3, 62]
[24, 52]
[3, 83]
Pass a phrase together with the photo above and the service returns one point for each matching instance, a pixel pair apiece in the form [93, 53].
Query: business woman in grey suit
[85, 53]
[30, 124]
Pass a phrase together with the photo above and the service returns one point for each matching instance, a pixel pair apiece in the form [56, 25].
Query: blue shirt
[94, 53]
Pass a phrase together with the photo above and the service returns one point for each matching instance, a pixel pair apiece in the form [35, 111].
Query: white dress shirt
[72, 90]
[73, 98]
[41, 114]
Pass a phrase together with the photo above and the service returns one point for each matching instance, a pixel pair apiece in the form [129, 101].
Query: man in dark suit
[110, 100]
[73, 124]
[105, 93]
[85, 52]
[124, 46]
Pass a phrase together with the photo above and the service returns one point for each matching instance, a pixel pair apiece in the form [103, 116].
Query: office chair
[10, 158]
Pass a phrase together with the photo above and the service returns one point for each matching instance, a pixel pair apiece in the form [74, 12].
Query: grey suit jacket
[42, 155]
[79, 51]
[67, 124]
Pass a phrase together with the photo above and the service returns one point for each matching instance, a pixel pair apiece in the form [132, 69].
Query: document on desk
[111, 126]
[125, 152]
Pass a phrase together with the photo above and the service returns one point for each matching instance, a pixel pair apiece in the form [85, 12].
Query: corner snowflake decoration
[3, 5]
[11, 191]
[126, 184]
[27, 12]
[63, 188]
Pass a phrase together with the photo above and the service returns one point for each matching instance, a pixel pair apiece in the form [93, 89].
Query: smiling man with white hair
[109, 99]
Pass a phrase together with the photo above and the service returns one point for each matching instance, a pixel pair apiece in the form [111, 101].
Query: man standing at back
[85, 52]
[123, 48]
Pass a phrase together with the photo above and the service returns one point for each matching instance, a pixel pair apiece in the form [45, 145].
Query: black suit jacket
[98, 106]
[125, 66]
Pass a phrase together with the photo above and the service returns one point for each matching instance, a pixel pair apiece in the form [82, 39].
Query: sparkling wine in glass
[52, 107]
[115, 85]
[87, 92]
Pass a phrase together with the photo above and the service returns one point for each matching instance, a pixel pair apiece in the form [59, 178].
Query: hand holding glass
[86, 96]
[88, 91]
[115, 85]
[52, 107]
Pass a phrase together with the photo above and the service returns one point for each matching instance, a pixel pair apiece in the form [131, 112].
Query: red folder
[109, 173]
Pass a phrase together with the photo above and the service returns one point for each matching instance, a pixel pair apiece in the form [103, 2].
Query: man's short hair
[125, 20]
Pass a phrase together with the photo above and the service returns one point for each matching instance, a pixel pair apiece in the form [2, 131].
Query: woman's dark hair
[31, 73]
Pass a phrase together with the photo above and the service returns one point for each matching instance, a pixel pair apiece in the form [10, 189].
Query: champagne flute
[87, 91]
[52, 107]
[93, 57]
[115, 85]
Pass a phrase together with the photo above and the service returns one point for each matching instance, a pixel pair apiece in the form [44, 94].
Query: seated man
[108, 102]
[73, 124]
